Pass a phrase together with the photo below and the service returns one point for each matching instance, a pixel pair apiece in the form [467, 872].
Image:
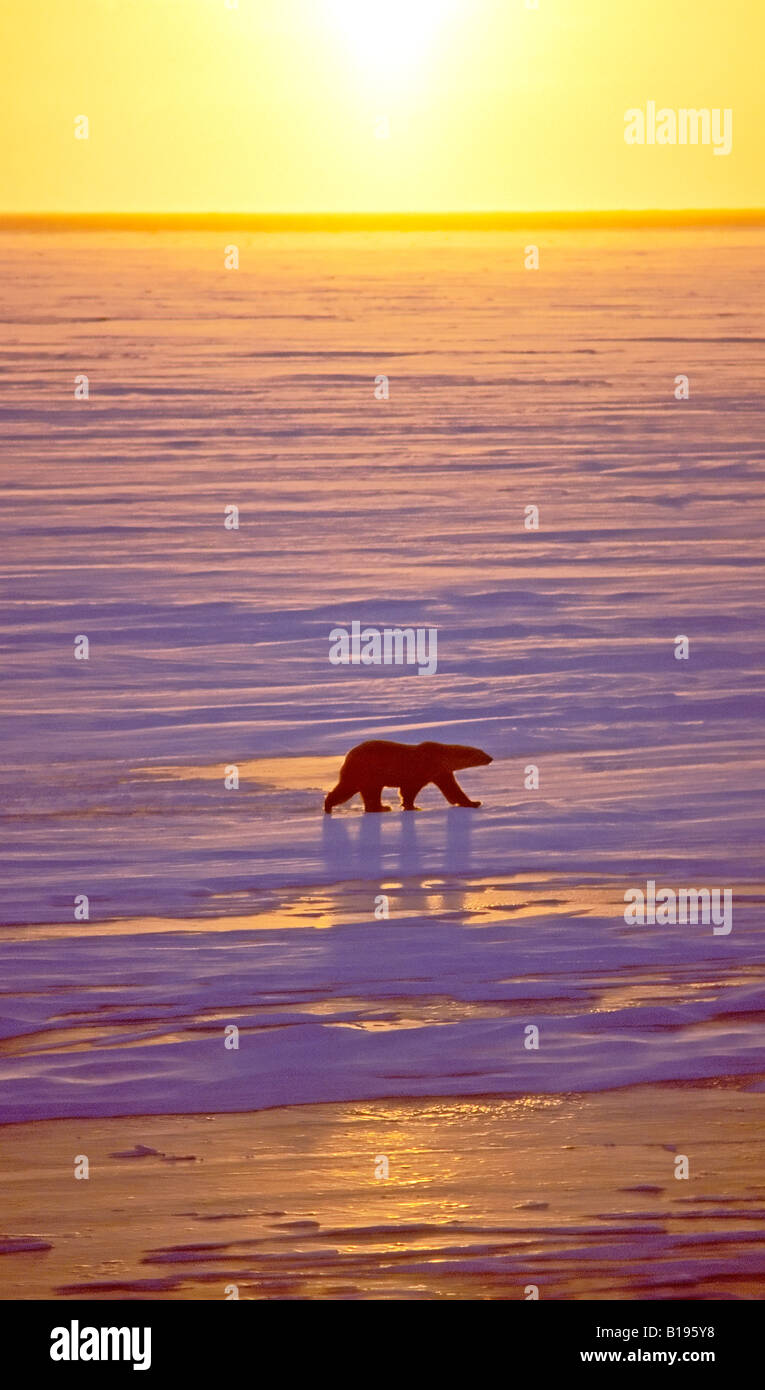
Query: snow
[209, 647]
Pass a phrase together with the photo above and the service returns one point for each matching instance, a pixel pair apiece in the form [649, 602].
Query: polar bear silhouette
[382, 763]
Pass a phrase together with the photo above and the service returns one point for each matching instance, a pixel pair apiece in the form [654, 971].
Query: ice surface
[209, 647]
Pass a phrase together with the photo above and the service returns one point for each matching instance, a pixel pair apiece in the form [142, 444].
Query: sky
[373, 105]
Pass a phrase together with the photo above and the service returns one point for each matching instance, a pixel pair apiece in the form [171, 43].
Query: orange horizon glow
[337, 108]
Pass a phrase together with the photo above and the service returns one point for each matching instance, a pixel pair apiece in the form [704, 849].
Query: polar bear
[382, 763]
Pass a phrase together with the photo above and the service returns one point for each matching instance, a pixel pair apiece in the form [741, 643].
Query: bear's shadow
[368, 846]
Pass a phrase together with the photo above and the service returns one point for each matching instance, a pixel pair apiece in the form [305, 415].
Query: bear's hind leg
[342, 792]
[371, 795]
[409, 793]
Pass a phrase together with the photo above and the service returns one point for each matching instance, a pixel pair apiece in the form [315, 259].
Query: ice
[209, 647]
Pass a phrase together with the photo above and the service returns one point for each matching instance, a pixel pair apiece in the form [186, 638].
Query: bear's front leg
[448, 784]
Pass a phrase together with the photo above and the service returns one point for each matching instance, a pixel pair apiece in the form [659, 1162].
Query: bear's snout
[465, 756]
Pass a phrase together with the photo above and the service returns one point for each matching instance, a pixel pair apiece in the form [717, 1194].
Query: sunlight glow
[388, 37]
[370, 106]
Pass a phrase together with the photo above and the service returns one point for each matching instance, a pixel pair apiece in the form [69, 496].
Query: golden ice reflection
[286, 773]
[478, 902]
[481, 1195]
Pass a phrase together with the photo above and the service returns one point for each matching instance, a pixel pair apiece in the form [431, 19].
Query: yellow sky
[373, 105]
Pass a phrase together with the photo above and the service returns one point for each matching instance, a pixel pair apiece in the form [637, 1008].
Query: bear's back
[386, 759]
[378, 755]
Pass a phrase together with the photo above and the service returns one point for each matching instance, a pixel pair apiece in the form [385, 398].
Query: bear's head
[459, 755]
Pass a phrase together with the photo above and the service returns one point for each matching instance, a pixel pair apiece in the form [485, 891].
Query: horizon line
[379, 221]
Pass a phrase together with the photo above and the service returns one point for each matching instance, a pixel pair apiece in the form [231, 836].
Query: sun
[387, 36]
